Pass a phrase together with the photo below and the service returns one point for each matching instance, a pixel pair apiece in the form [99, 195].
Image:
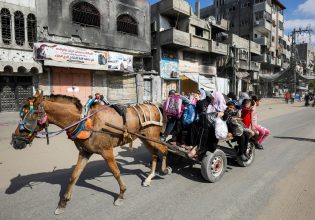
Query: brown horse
[64, 111]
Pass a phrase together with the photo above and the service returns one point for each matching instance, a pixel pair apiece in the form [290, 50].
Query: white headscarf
[218, 103]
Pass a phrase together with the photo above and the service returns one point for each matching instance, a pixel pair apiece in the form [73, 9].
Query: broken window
[85, 14]
[199, 31]
[31, 29]
[19, 28]
[6, 25]
[127, 24]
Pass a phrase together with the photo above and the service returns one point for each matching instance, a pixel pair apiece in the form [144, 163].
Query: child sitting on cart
[236, 129]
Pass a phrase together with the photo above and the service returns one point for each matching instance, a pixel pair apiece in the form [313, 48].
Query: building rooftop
[277, 2]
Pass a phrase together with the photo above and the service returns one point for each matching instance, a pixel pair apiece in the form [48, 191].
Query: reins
[43, 134]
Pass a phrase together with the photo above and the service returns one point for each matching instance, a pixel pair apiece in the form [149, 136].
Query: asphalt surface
[242, 193]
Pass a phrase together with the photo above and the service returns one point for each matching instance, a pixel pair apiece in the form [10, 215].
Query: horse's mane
[66, 99]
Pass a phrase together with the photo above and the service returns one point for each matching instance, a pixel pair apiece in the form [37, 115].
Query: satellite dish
[211, 19]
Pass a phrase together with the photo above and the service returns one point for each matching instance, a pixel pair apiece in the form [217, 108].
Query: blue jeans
[171, 122]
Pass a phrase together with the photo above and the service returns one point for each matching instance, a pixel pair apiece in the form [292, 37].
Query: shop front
[18, 78]
[80, 72]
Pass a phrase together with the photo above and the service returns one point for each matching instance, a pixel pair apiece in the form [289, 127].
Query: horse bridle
[30, 120]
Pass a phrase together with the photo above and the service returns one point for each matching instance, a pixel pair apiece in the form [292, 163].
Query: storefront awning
[208, 83]
[273, 77]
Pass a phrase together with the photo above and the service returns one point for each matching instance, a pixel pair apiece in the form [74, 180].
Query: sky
[299, 13]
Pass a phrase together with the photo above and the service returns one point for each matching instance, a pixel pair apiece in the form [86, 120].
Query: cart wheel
[213, 165]
[251, 153]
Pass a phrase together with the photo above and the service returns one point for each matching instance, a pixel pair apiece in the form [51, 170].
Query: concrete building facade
[95, 46]
[19, 73]
[260, 21]
[184, 47]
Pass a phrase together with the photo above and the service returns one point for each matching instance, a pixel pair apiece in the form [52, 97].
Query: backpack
[189, 114]
[237, 126]
[173, 106]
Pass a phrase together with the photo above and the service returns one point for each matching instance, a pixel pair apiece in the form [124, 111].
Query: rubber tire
[207, 161]
[251, 159]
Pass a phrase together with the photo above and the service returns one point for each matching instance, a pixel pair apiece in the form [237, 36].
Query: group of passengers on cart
[193, 121]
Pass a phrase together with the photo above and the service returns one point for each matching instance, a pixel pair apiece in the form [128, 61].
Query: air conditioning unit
[174, 74]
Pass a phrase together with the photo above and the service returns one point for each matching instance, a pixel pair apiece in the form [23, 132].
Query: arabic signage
[106, 60]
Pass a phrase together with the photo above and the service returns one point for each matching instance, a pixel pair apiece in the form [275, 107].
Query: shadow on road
[296, 138]
[93, 171]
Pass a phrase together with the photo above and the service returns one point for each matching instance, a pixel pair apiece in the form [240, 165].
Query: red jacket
[246, 117]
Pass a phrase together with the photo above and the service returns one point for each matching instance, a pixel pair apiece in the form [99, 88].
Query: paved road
[279, 185]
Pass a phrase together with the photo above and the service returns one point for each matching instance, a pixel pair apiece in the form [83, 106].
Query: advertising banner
[106, 60]
[120, 62]
[62, 53]
[167, 67]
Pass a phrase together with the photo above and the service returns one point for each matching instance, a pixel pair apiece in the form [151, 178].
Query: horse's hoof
[168, 171]
[119, 202]
[146, 183]
[59, 211]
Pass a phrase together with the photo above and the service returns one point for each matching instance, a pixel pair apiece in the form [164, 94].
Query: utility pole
[294, 35]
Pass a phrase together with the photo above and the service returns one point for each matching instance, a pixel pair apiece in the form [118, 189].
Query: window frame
[31, 22]
[135, 23]
[19, 28]
[77, 14]
[6, 14]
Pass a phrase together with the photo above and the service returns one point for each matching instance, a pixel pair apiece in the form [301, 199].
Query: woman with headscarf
[203, 133]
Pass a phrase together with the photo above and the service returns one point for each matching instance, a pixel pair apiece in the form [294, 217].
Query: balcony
[263, 6]
[174, 7]
[278, 62]
[255, 66]
[280, 17]
[243, 64]
[263, 26]
[264, 58]
[255, 48]
[262, 41]
[199, 43]
[219, 48]
[280, 33]
[175, 37]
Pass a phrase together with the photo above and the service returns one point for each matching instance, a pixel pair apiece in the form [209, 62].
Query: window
[243, 54]
[19, 28]
[187, 55]
[31, 29]
[85, 14]
[169, 54]
[127, 24]
[6, 26]
[199, 31]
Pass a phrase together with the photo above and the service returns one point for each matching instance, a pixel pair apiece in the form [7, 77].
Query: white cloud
[298, 23]
[307, 7]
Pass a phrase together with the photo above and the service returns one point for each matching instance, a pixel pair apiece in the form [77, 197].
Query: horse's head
[33, 120]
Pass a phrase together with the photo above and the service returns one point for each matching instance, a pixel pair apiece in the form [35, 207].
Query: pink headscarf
[218, 103]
